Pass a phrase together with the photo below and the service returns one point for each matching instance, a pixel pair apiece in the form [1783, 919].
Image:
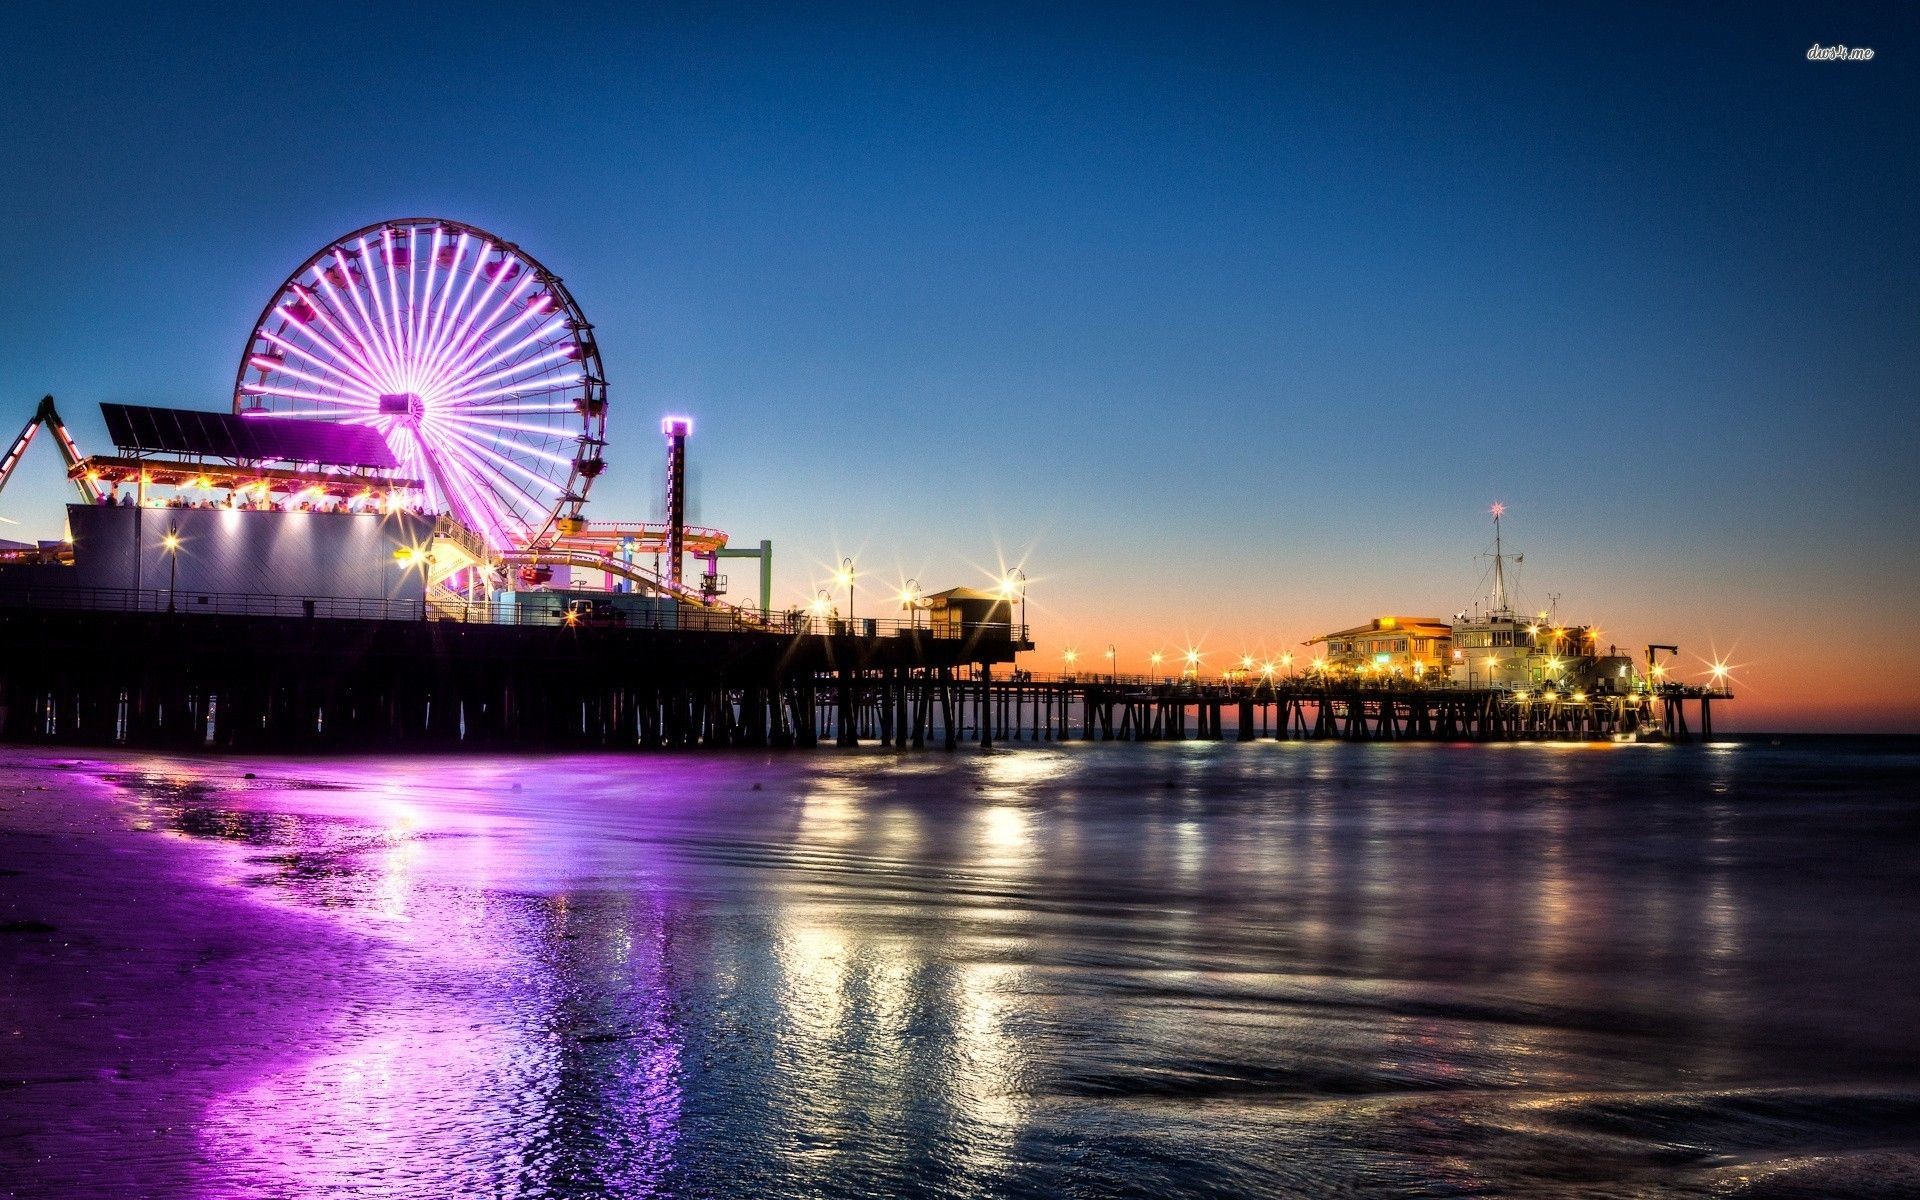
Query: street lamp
[845, 579]
[910, 600]
[1155, 658]
[1015, 584]
[172, 544]
[822, 605]
[1072, 656]
[1113, 663]
[1193, 663]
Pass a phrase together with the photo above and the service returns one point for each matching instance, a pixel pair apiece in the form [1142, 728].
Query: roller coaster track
[646, 538]
[592, 560]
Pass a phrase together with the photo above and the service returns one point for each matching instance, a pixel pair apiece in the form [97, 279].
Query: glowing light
[1072, 656]
[677, 426]
[1156, 658]
[1498, 509]
[171, 541]
[1193, 658]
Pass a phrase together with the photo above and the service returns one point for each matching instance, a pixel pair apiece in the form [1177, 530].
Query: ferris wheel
[469, 357]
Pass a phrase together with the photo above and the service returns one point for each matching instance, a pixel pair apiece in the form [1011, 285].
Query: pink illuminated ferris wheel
[466, 353]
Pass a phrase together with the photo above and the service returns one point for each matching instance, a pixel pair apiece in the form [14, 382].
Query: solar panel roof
[137, 428]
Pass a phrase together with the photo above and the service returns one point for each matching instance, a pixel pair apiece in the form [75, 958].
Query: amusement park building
[1389, 646]
[214, 559]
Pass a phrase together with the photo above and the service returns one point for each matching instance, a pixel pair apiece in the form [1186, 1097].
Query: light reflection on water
[1208, 969]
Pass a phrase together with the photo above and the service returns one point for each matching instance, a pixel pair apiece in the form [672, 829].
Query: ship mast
[1499, 563]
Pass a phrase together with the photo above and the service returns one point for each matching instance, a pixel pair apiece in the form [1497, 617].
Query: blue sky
[1230, 321]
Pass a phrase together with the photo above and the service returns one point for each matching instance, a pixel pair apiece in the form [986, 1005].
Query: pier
[294, 674]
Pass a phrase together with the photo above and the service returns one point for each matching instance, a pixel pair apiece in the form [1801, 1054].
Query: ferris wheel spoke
[517, 426]
[356, 390]
[438, 482]
[395, 322]
[491, 408]
[261, 389]
[359, 286]
[477, 364]
[558, 354]
[505, 503]
[413, 274]
[348, 379]
[370, 355]
[448, 349]
[436, 305]
[532, 476]
[474, 437]
[495, 493]
[352, 377]
[345, 346]
[480, 401]
[460, 357]
[486, 315]
[359, 416]
[370, 282]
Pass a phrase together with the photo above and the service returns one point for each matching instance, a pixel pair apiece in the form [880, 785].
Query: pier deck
[300, 675]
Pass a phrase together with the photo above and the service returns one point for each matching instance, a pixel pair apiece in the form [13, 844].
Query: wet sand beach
[1204, 969]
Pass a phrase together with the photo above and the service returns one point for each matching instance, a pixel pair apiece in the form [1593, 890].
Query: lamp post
[172, 544]
[910, 600]
[1015, 584]
[845, 579]
[1155, 659]
[1113, 664]
[1072, 656]
[822, 605]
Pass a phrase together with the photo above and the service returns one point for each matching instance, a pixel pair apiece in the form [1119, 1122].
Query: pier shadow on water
[1182, 969]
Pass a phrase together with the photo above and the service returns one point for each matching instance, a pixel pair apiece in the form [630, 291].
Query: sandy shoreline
[1276, 971]
[131, 987]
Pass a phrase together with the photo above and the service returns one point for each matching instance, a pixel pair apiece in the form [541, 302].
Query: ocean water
[1268, 969]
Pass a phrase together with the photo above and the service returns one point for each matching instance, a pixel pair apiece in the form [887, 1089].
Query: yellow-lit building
[1389, 646]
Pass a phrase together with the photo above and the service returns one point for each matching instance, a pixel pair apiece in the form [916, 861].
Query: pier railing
[526, 609]
[1298, 683]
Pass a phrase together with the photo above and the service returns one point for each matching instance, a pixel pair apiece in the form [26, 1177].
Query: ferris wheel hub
[400, 404]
